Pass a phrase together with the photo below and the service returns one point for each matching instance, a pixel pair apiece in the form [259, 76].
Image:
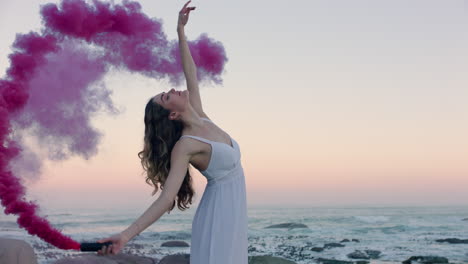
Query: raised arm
[180, 158]
[190, 69]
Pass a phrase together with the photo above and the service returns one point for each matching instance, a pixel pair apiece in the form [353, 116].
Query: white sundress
[219, 227]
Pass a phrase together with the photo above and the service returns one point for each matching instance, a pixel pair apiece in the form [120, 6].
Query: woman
[179, 133]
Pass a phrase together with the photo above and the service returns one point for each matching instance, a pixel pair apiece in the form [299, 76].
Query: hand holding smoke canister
[93, 246]
[117, 242]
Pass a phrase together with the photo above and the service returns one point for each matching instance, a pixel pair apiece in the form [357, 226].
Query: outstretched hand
[118, 242]
[184, 14]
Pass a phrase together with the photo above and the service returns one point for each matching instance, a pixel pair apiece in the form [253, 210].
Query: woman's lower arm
[151, 215]
[190, 69]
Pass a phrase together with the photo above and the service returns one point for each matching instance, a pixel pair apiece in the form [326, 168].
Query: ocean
[397, 232]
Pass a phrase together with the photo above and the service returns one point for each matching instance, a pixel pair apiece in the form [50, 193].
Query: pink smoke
[53, 87]
[30, 53]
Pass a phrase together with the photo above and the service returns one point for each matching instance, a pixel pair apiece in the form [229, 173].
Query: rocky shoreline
[137, 253]
[185, 259]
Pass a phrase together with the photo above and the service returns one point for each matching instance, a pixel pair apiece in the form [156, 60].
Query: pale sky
[332, 103]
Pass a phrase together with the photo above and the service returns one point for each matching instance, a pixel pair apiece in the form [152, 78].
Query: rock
[332, 245]
[367, 254]
[135, 246]
[42, 246]
[109, 259]
[355, 240]
[175, 244]
[288, 225]
[268, 260]
[252, 249]
[357, 254]
[453, 240]
[373, 254]
[317, 249]
[333, 261]
[176, 259]
[425, 260]
[16, 251]
[344, 240]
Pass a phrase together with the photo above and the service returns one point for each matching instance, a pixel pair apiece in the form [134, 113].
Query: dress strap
[198, 138]
[206, 119]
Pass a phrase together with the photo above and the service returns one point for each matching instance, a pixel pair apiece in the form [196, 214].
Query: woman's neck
[192, 120]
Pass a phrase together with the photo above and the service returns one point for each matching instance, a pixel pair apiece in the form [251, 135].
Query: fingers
[107, 250]
[186, 9]
[110, 249]
[107, 239]
[102, 251]
[186, 4]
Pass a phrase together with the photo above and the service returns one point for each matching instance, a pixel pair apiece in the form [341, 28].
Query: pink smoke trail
[30, 55]
[52, 87]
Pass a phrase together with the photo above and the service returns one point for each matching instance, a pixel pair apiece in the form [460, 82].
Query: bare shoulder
[188, 146]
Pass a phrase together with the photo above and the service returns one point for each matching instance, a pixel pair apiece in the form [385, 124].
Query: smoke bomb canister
[93, 246]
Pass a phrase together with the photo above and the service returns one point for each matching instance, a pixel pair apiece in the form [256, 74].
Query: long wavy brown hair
[161, 134]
